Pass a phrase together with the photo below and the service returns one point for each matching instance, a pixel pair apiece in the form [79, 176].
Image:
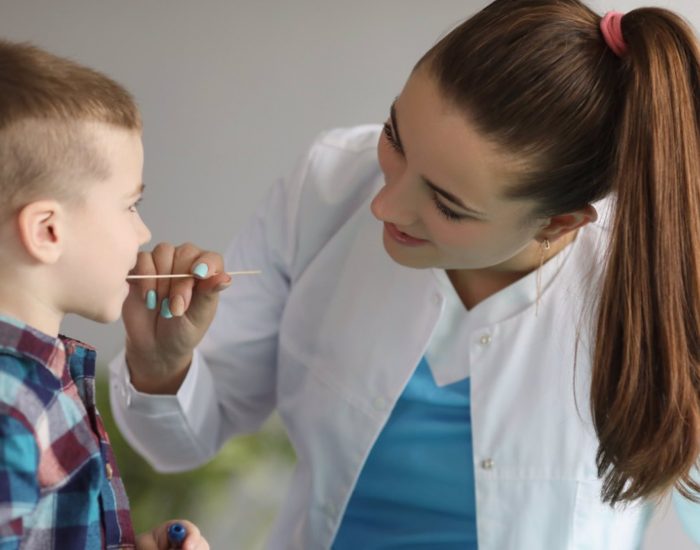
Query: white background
[233, 91]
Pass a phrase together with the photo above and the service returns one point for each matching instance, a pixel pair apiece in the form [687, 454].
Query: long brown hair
[537, 77]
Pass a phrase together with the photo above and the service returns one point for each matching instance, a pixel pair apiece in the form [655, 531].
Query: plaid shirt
[59, 484]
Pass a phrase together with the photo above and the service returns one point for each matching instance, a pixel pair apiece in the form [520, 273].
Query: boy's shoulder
[26, 389]
[42, 412]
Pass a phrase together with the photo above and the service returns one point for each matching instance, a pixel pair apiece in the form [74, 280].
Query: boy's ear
[41, 230]
[562, 224]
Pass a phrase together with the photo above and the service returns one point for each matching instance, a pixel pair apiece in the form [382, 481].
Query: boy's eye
[389, 133]
[134, 207]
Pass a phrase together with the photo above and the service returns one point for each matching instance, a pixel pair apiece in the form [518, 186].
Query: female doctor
[479, 323]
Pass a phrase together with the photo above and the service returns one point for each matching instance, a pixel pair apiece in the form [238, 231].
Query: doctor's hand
[166, 318]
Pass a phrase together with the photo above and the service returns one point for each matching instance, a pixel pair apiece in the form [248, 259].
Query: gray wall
[232, 91]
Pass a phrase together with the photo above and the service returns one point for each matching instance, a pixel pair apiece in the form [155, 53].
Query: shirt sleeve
[19, 488]
[688, 513]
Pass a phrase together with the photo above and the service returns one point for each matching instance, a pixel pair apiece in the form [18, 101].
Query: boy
[71, 162]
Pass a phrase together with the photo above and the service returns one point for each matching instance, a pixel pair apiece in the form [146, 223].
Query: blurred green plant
[156, 497]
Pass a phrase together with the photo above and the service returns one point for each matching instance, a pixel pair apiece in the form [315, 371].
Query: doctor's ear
[561, 224]
[40, 227]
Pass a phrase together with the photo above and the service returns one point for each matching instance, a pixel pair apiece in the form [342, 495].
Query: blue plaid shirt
[59, 484]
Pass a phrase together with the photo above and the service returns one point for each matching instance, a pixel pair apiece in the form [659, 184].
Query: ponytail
[600, 110]
[645, 394]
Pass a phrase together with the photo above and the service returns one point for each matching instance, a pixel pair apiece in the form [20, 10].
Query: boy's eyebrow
[449, 196]
[139, 190]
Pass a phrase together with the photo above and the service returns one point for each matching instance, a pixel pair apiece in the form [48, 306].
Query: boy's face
[105, 231]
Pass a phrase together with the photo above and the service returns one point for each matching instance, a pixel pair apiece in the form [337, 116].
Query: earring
[544, 247]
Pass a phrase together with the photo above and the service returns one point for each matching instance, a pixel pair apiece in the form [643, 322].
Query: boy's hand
[166, 318]
[157, 538]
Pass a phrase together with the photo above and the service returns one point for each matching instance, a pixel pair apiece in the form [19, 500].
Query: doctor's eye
[448, 212]
[389, 133]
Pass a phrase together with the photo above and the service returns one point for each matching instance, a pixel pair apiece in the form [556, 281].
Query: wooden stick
[184, 275]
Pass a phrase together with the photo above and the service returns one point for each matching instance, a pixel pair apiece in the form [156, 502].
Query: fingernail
[165, 312]
[177, 306]
[151, 299]
[201, 270]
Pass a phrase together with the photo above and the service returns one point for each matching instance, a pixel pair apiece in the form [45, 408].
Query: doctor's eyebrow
[452, 198]
[439, 190]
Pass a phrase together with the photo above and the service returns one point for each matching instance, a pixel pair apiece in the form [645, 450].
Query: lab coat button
[485, 340]
[380, 403]
[487, 464]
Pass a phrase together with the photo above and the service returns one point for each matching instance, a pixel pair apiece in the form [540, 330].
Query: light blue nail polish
[201, 270]
[165, 312]
[151, 299]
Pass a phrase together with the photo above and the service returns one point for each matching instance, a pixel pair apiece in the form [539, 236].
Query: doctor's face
[443, 202]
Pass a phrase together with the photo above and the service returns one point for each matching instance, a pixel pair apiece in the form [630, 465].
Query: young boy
[71, 162]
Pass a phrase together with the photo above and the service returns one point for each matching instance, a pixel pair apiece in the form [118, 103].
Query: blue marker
[176, 534]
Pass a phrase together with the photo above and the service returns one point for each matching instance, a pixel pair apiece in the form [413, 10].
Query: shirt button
[437, 299]
[380, 403]
[109, 472]
[487, 464]
[485, 340]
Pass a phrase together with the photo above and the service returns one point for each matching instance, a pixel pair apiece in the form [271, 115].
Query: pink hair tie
[611, 27]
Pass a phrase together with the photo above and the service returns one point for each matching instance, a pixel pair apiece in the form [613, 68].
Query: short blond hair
[45, 103]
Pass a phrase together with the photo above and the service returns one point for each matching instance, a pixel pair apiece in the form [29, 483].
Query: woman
[516, 354]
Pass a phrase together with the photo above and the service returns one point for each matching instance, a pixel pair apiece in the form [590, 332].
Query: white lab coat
[333, 329]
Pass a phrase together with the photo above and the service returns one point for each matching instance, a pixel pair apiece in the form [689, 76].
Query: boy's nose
[145, 234]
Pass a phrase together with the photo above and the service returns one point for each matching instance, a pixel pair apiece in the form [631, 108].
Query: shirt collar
[514, 298]
[18, 338]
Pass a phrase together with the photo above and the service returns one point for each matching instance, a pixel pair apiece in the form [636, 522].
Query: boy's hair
[45, 145]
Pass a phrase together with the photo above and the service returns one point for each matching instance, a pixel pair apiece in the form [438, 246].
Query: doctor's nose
[396, 203]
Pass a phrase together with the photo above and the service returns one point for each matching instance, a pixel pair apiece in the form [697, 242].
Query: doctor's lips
[401, 237]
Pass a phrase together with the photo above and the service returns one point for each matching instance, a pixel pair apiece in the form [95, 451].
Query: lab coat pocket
[598, 526]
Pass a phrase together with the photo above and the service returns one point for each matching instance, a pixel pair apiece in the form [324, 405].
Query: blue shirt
[416, 489]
